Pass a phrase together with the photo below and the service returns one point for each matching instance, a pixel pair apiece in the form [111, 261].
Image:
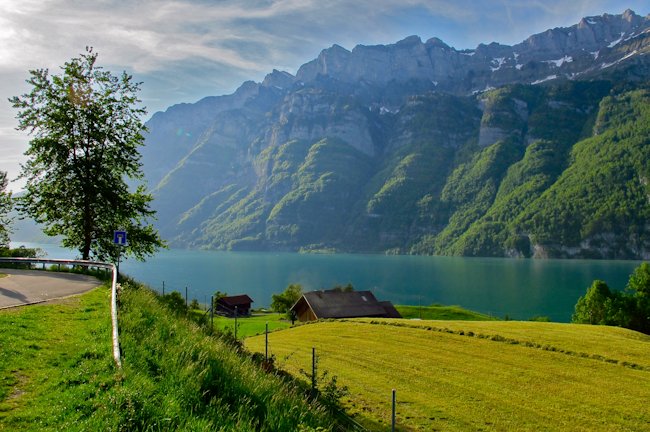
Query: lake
[518, 288]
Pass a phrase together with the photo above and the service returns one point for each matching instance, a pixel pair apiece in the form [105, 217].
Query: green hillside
[523, 170]
[478, 375]
[57, 373]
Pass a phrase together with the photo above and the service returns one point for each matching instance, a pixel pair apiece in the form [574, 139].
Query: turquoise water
[515, 287]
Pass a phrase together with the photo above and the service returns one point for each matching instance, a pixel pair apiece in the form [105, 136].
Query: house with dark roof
[315, 305]
[239, 303]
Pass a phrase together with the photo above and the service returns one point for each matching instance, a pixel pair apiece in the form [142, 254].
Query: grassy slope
[57, 373]
[256, 324]
[567, 377]
[249, 326]
[438, 312]
[54, 362]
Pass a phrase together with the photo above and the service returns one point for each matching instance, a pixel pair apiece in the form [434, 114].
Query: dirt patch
[17, 390]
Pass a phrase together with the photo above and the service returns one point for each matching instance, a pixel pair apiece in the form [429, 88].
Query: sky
[184, 50]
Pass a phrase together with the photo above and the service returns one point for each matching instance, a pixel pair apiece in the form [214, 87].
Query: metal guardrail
[108, 266]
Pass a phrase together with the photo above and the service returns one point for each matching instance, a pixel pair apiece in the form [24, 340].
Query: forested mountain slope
[540, 149]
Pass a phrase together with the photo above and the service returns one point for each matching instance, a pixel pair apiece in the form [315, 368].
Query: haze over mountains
[538, 149]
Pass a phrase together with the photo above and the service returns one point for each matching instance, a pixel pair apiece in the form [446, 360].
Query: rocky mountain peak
[410, 40]
[279, 79]
[435, 42]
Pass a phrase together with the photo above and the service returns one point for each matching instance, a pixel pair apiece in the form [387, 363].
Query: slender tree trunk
[87, 236]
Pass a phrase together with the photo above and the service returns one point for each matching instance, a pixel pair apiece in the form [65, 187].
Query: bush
[175, 302]
[629, 309]
[282, 302]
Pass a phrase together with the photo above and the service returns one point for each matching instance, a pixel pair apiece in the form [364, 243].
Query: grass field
[57, 373]
[439, 312]
[460, 376]
[256, 324]
[249, 326]
[54, 361]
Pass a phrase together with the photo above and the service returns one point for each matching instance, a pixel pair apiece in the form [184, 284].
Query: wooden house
[241, 303]
[341, 304]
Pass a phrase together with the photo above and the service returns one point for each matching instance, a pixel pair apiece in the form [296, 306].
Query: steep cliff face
[420, 148]
[595, 42]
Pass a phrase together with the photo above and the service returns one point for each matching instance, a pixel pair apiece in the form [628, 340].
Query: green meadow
[57, 373]
[256, 323]
[466, 375]
[248, 326]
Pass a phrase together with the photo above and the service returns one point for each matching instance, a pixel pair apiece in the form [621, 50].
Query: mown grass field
[256, 324]
[440, 312]
[459, 376]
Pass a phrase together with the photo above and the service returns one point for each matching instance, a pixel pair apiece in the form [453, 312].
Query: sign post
[119, 238]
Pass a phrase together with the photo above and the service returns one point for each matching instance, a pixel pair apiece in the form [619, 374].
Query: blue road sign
[119, 238]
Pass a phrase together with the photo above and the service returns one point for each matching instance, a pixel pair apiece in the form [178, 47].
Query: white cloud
[186, 49]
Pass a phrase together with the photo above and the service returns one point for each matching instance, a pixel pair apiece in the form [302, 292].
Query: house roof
[238, 300]
[391, 312]
[339, 304]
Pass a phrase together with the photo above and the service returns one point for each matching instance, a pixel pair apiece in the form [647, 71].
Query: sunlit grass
[439, 312]
[478, 375]
[57, 373]
[54, 361]
[249, 325]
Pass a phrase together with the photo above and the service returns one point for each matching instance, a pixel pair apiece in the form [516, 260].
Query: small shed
[315, 305]
[241, 303]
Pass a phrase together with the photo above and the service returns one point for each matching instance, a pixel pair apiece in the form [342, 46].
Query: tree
[593, 307]
[283, 302]
[215, 299]
[347, 288]
[5, 208]
[638, 287]
[629, 309]
[86, 128]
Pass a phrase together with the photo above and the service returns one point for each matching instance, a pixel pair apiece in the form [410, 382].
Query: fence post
[212, 312]
[235, 322]
[185, 297]
[313, 371]
[266, 343]
[393, 415]
[163, 288]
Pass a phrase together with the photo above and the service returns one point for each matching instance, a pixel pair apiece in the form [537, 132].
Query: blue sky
[184, 50]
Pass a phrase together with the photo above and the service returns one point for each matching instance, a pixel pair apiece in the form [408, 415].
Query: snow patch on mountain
[606, 65]
[560, 62]
[548, 78]
[617, 41]
[499, 62]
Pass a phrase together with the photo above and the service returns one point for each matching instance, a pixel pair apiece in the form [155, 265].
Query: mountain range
[539, 149]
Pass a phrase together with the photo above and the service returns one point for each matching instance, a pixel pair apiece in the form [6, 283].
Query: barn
[227, 305]
[322, 304]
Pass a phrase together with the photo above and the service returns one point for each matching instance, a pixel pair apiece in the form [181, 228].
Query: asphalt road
[22, 287]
